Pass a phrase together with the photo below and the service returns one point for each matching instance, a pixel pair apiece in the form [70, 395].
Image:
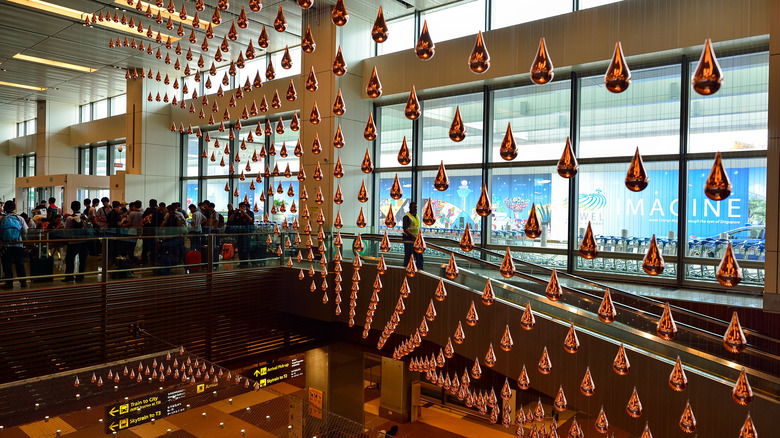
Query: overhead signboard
[141, 410]
[275, 372]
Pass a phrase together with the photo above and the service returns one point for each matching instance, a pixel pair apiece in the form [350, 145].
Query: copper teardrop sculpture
[311, 81]
[369, 132]
[379, 32]
[280, 23]
[734, 340]
[412, 109]
[507, 268]
[607, 312]
[544, 365]
[425, 48]
[404, 156]
[339, 66]
[441, 182]
[338, 138]
[286, 61]
[339, 107]
[588, 247]
[601, 424]
[506, 339]
[567, 165]
[708, 76]
[618, 76]
[362, 195]
[490, 357]
[262, 40]
[374, 87]
[554, 292]
[390, 220]
[307, 43]
[571, 344]
[666, 328]
[339, 15]
[533, 228]
[587, 387]
[471, 316]
[687, 420]
[742, 393]
[428, 216]
[538, 412]
[419, 245]
[466, 242]
[441, 291]
[361, 219]
[476, 370]
[451, 271]
[523, 382]
[527, 321]
[366, 166]
[560, 400]
[488, 297]
[636, 176]
[729, 273]
[542, 70]
[634, 406]
[457, 128]
[653, 262]
[396, 192]
[508, 149]
[621, 365]
[678, 381]
[459, 336]
[479, 60]
[748, 429]
[483, 203]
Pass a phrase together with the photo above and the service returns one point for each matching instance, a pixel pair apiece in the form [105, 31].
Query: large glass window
[85, 162]
[456, 206]
[216, 193]
[100, 109]
[101, 160]
[119, 104]
[277, 199]
[219, 162]
[401, 37]
[469, 16]
[192, 157]
[394, 128]
[191, 192]
[539, 116]
[735, 118]
[514, 191]
[400, 206]
[509, 12]
[286, 142]
[85, 113]
[646, 115]
[437, 118]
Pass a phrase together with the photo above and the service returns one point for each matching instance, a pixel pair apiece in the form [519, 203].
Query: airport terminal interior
[390, 218]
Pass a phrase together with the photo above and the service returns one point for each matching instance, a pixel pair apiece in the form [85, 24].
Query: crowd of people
[164, 228]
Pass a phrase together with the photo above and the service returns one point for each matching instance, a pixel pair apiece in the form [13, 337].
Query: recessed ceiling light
[26, 87]
[54, 63]
[80, 16]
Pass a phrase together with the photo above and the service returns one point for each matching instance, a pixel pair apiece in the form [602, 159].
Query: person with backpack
[77, 226]
[12, 229]
[52, 210]
[101, 215]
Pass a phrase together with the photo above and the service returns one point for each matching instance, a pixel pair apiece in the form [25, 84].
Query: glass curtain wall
[235, 165]
[611, 127]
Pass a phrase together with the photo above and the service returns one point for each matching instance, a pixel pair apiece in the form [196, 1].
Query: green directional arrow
[113, 411]
[113, 427]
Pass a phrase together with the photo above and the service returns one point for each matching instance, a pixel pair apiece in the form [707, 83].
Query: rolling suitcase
[193, 260]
